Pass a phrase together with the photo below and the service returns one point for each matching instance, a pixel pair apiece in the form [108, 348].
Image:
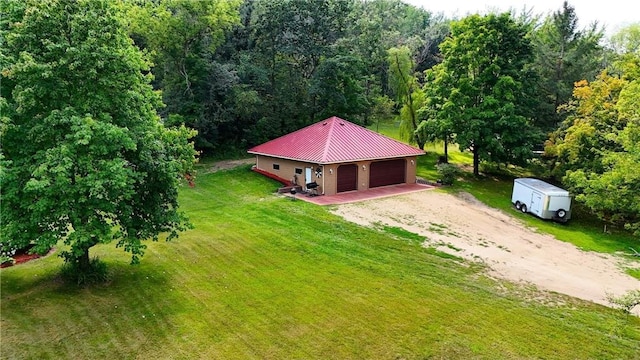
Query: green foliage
[409, 95]
[6, 259]
[436, 124]
[564, 54]
[583, 137]
[379, 25]
[382, 111]
[481, 86]
[625, 302]
[597, 152]
[242, 73]
[448, 173]
[626, 40]
[336, 88]
[85, 157]
[634, 272]
[182, 36]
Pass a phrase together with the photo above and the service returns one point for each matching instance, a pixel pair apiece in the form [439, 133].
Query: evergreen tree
[564, 54]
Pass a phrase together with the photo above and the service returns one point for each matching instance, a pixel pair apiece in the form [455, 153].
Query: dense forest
[498, 85]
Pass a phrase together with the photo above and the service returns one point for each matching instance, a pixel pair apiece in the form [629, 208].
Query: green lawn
[264, 277]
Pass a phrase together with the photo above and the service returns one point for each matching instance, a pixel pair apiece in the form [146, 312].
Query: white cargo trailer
[542, 199]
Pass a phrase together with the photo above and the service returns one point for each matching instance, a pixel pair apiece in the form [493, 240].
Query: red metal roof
[334, 140]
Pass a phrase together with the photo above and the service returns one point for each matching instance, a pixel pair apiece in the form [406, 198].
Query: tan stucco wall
[328, 181]
[288, 169]
[412, 163]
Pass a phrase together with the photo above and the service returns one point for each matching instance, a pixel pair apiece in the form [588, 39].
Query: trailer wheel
[561, 213]
[518, 205]
[523, 208]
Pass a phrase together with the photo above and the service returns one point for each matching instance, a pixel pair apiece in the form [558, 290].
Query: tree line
[243, 72]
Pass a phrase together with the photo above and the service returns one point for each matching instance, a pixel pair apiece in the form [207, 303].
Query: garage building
[338, 156]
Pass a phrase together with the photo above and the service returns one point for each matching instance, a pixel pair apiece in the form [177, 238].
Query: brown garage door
[347, 177]
[387, 172]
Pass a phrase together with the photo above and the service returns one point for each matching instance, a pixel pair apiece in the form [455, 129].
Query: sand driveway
[461, 225]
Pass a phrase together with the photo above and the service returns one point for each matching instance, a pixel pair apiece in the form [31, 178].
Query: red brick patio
[354, 196]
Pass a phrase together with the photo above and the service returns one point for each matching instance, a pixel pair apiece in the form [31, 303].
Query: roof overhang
[333, 162]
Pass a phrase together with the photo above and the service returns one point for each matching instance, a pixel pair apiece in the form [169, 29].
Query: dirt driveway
[461, 225]
[229, 164]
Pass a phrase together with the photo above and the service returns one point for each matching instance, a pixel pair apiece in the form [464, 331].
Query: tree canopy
[564, 54]
[85, 157]
[482, 84]
[597, 150]
[409, 95]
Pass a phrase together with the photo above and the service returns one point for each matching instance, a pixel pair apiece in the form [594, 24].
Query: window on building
[298, 171]
[276, 166]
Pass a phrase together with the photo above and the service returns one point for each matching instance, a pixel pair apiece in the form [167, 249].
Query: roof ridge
[334, 140]
[325, 152]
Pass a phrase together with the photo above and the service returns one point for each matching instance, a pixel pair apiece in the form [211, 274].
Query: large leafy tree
[85, 157]
[597, 150]
[482, 85]
[380, 25]
[564, 54]
[436, 123]
[627, 40]
[409, 94]
[292, 39]
[584, 137]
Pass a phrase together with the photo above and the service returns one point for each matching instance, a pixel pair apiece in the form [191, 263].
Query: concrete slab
[355, 196]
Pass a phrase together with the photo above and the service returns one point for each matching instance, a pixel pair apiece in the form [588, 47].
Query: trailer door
[536, 203]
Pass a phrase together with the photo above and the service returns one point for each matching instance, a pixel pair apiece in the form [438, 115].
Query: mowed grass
[263, 277]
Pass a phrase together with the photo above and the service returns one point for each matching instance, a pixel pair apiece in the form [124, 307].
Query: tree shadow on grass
[45, 317]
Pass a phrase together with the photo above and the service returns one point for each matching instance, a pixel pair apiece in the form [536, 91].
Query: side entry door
[536, 204]
[308, 176]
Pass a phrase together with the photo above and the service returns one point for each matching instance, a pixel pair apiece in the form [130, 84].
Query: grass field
[264, 277]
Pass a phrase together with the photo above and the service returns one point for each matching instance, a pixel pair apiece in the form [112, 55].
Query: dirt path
[229, 164]
[463, 226]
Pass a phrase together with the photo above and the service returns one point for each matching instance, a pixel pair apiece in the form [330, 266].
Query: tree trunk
[476, 161]
[83, 261]
[446, 150]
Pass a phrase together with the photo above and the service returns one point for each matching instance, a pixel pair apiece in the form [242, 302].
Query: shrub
[6, 255]
[448, 173]
[6, 259]
[626, 302]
